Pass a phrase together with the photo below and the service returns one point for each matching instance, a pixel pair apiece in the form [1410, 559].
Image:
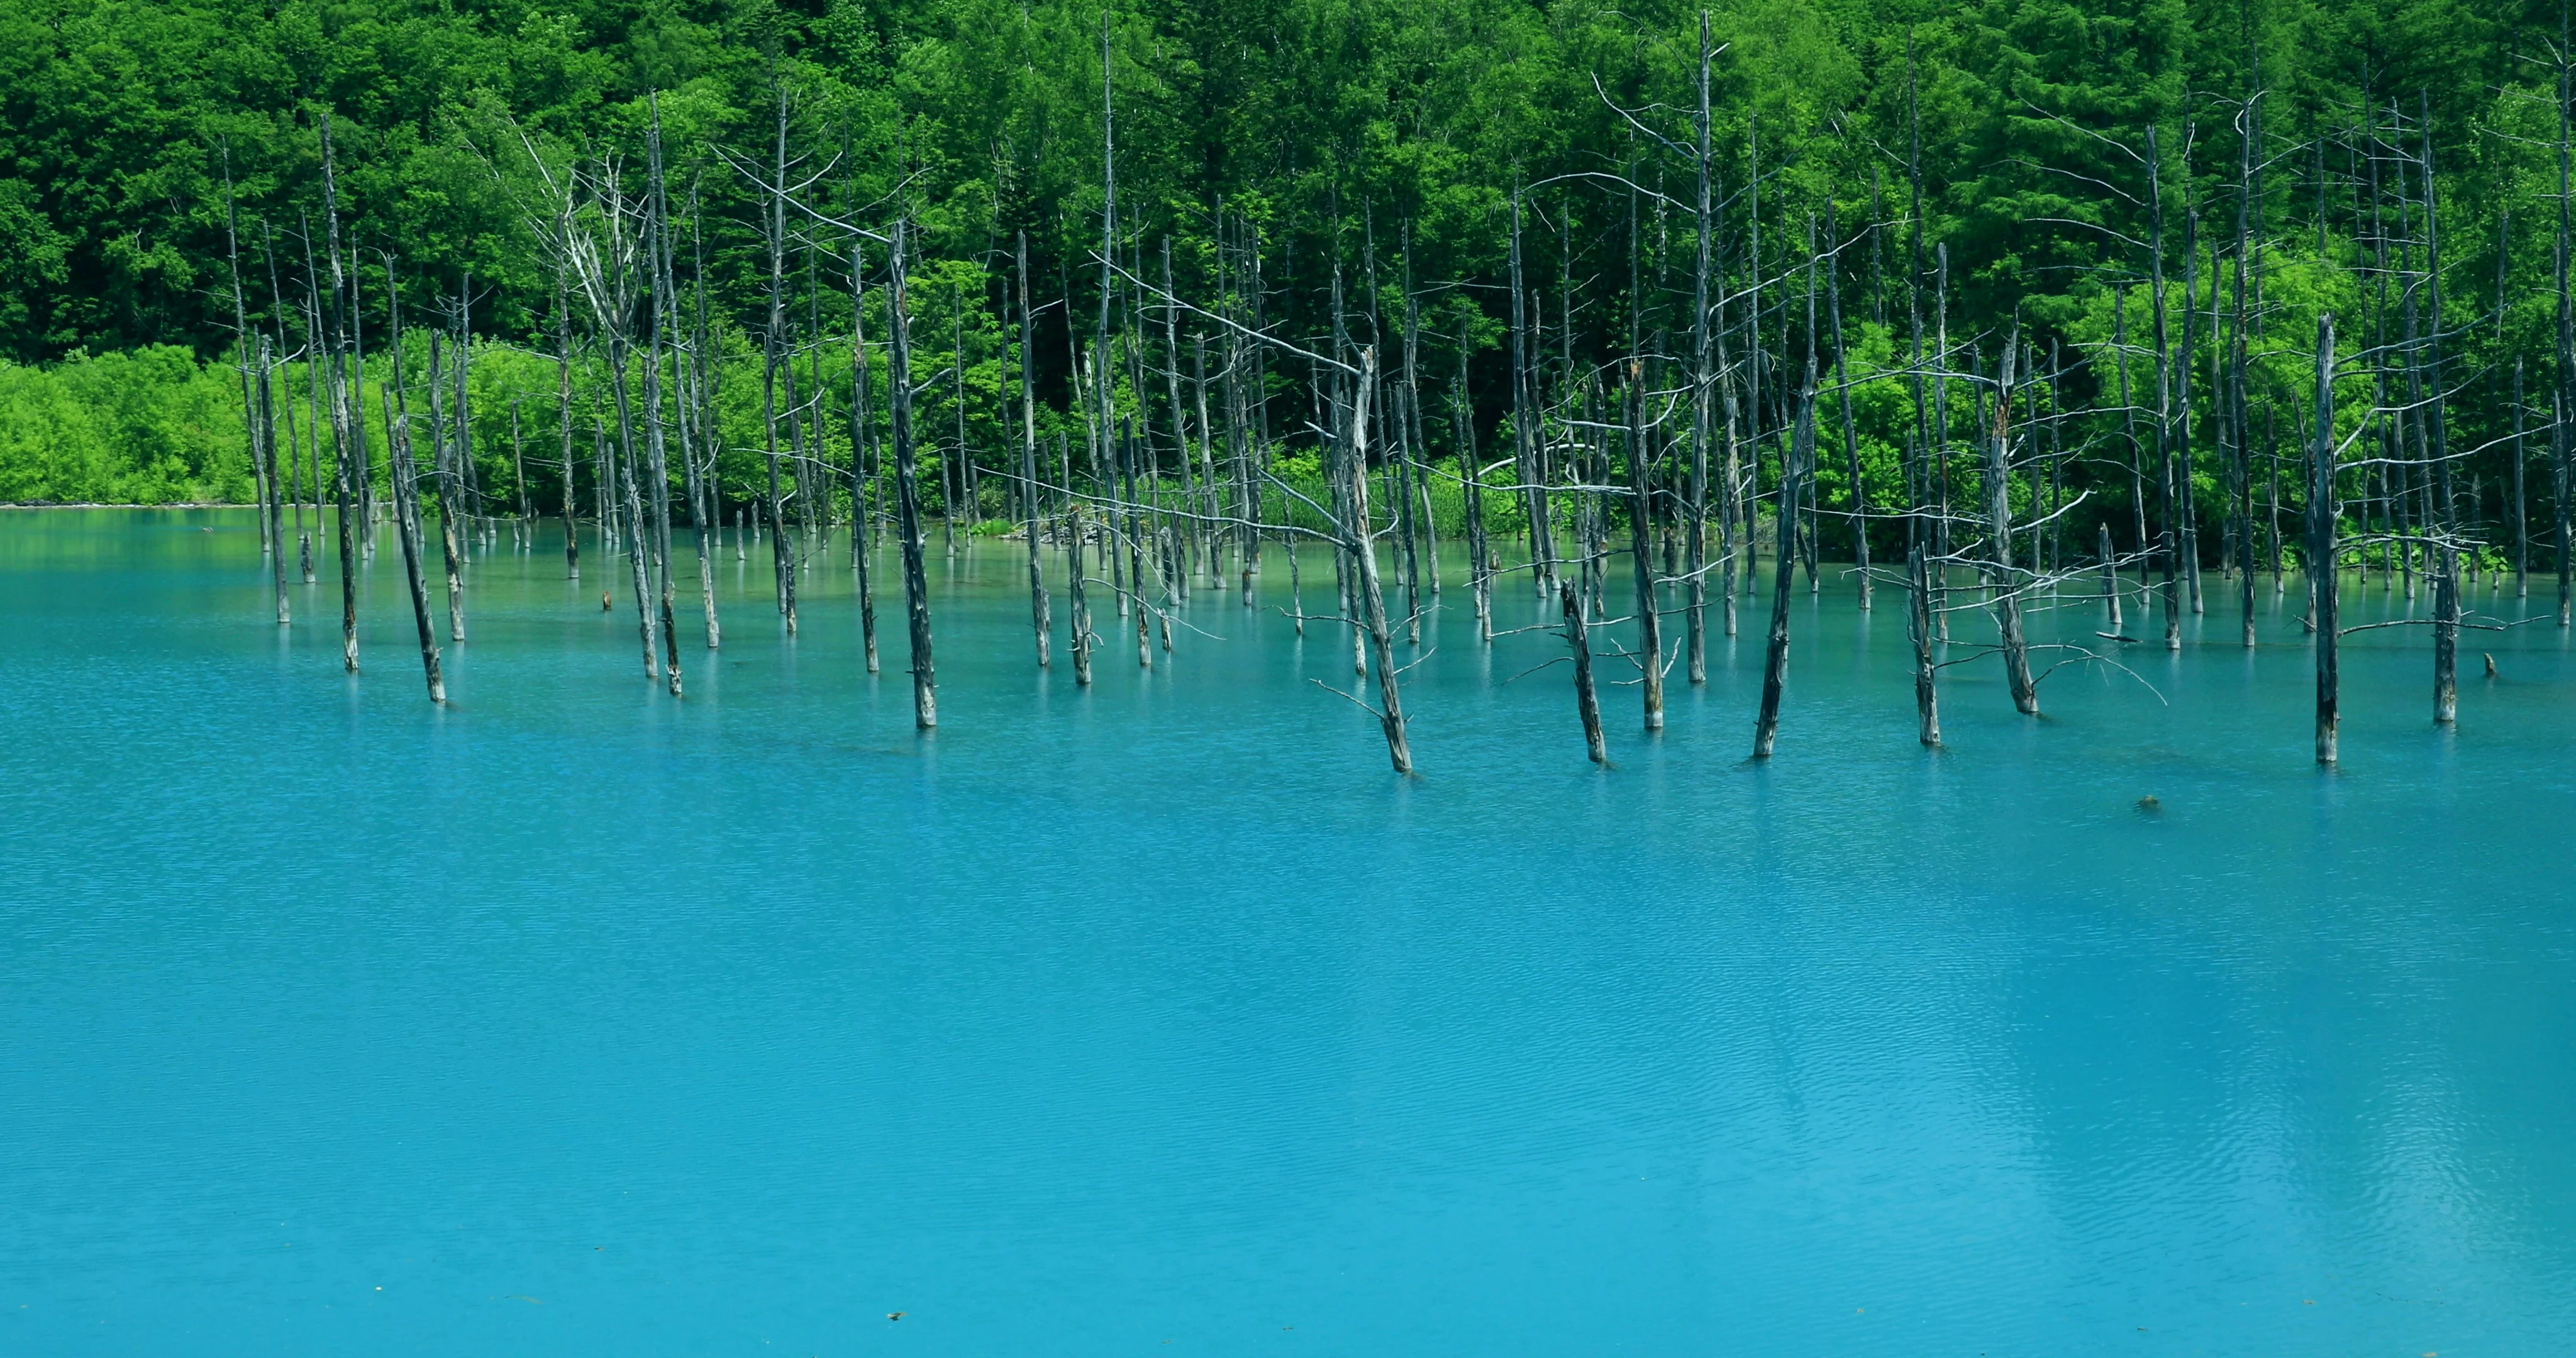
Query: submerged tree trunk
[2016, 651]
[1363, 550]
[2110, 580]
[443, 472]
[1919, 631]
[343, 431]
[563, 418]
[1650, 634]
[2321, 545]
[1586, 701]
[1078, 623]
[403, 474]
[1039, 623]
[774, 358]
[1775, 662]
[406, 493]
[916, 585]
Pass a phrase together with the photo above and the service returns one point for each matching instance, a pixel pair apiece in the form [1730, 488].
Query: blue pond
[1160, 1018]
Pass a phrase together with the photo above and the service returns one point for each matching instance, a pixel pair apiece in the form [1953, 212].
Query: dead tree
[1650, 634]
[916, 584]
[2322, 550]
[1038, 620]
[2016, 651]
[405, 487]
[343, 424]
[1775, 662]
[1587, 702]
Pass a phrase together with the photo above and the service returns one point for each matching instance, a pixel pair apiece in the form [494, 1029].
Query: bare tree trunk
[1078, 625]
[1038, 620]
[2110, 580]
[860, 566]
[267, 418]
[1919, 630]
[1851, 440]
[2562, 407]
[403, 473]
[343, 433]
[664, 312]
[1703, 387]
[1775, 663]
[2321, 549]
[2521, 512]
[1586, 701]
[774, 358]
[1650, 632]
[563, 418]
[262, 479]
[916, 584]
[2016, 651]
[1363, 549]
[1480, 580]
[443, 470]
[2444, 521]
[2559, 506]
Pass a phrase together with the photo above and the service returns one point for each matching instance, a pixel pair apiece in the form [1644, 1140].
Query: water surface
[1160, 1018]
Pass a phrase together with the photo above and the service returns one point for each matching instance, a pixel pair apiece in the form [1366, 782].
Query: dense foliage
[1386, 137]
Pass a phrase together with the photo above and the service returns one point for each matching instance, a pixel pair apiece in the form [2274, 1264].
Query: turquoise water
[1162, 1019]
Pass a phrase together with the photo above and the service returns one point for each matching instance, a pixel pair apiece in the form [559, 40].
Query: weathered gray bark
[343, 435]
[443, 473]
[916, 584]
[1586, 701]
[2562, 401]
[2445, 518]
[1775, 662]
[2169, 529]
[1480, 579]
[774, 358]
[1078, 625]
[563, 420]
[2521, 512]
[2321, 545]
[262, 478]
[2110, 580]
[267, 422]
[1703, 388]
[1851, 439]
[862, 568]
[695, 370]
[403, 474]
[662, 313]
[2016, 651]
[1650, 631]
[1038, 620]
[1362, 547]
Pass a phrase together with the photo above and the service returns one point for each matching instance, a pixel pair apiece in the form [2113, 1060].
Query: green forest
[1520, 209]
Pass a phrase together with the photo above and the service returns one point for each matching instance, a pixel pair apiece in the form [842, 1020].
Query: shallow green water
[571, 1019]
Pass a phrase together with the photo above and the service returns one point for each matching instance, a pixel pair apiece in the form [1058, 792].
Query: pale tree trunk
[343, 432]
[2324, 582]
[1039, 623]
[1363, 550]
[2110, 580]
[563, 420]
[1775, 663]
[1650, 632]
[860, 564]
[403, 473]
[916, 585]
[2016, 651]
[1587, 702]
